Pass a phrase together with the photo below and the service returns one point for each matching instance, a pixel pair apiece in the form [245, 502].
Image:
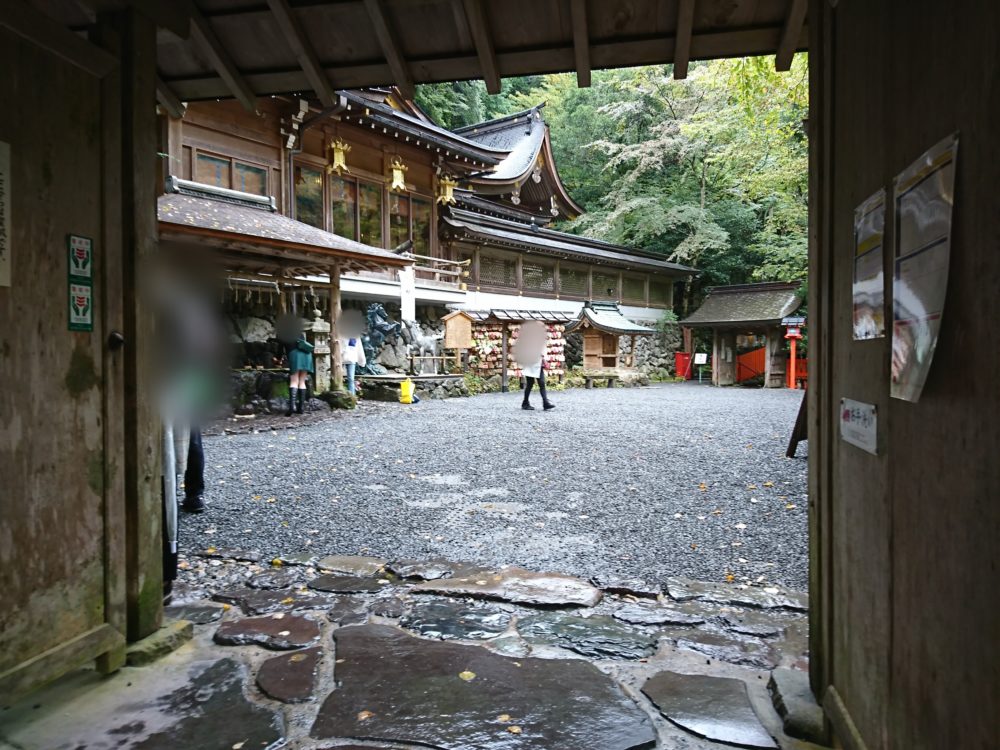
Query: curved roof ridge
[497, 121]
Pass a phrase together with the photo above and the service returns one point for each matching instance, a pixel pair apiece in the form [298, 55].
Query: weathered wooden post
[336, 360]
[504, 348]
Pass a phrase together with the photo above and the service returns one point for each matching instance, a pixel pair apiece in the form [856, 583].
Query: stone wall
[654, 355]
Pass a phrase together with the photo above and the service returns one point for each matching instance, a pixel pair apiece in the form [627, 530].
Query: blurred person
[353, 357]
[290, 332]
[529, 351]
[191, 352]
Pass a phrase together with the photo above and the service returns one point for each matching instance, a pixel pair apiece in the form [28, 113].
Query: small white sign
[700, 358]
[859, 425]
[81, 307]
[5, 238]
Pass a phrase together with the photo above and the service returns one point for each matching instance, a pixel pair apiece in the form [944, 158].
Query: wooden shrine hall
[601, 326]
[747, 317]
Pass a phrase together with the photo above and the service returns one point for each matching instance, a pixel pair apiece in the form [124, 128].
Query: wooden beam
[790, 35]
[581, 42]
[39, 29]
[205, 37]
[682, 43]
[304, 52]
[168, 100]
[390, 47]
[475, 14]
[756, 41]
[174, 16]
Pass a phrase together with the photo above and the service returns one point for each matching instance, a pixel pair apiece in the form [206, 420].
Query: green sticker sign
[80, 283]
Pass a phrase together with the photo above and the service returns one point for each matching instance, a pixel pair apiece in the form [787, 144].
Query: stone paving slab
[279, 632]
[598, 636]
[766, 597]
[460, 697]
[353, 565]
[520, 586]
[290, 678]
[347, 584]
[717, 708]
[449, 620]
[653, 614]
[267, 601]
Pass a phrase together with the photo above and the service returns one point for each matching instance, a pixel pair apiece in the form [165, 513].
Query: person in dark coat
[298, 351]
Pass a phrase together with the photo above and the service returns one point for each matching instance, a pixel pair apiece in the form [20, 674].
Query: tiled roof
[607, 317]
[246, 218]
[746, 303]
[520, 135]
[519, 316]
[505, 233]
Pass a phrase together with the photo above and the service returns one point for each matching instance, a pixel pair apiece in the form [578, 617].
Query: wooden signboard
[457, 330]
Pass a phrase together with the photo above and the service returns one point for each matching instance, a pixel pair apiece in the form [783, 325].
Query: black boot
[302, 395]
[546, 404]
[528, 383]
[291, 402]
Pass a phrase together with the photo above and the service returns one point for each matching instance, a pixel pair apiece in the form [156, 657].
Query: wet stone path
[668, 480]
[529, 661]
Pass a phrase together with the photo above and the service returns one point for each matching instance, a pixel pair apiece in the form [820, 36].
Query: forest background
[710, 171]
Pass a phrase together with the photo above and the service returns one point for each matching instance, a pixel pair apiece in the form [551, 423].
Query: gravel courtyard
[673, 479]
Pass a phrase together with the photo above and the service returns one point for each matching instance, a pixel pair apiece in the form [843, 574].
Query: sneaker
[193, 504]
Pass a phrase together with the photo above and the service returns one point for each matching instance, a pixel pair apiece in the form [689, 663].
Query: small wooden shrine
[601, 326]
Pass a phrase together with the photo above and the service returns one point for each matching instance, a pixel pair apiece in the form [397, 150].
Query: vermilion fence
[801, 372]
[751, 365]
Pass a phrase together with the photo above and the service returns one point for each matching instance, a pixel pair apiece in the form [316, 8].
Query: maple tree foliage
[710, 171]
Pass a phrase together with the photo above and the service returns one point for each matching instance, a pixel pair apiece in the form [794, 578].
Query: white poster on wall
[5, 238]
[859, 424]
[924, 195]
[868, 291]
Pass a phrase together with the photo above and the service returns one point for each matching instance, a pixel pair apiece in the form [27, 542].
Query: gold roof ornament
[337, 153]
[553, 208]
[515, 195]
[446, 190]
[398, 174]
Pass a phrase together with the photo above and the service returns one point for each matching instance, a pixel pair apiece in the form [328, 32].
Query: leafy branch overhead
[711, 171]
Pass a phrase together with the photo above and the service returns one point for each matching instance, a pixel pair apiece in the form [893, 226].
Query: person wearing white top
[353, 354]
[529, 351]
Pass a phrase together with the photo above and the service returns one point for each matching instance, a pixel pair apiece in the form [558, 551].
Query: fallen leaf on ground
[296, 658]
[514, 730]
[730, 578]
[703, 487]
[790, 506]
[467, 675]
[503, 718]
[769, 484]
[740, 526]
[365, 715]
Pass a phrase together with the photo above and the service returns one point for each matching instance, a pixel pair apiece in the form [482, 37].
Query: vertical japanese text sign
[80, 285]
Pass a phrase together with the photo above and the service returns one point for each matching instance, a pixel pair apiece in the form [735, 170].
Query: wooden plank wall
[52, 450]
[905, 621]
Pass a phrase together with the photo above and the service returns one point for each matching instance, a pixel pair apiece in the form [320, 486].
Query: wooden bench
[588, 380]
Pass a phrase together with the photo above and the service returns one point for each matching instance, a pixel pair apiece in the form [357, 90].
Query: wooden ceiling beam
[646, 51]
[682, 37]
[479, 27]
[205, 37]
[291, 29]
[169, 100]
[581, 42]
[790, 35]
[391, 48]
[35, 26]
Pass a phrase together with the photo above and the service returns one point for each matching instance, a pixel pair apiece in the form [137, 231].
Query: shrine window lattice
[496, 271]
[573, 281]
[634, 288]
[660, 292]
[538, 277]
[605, 286]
